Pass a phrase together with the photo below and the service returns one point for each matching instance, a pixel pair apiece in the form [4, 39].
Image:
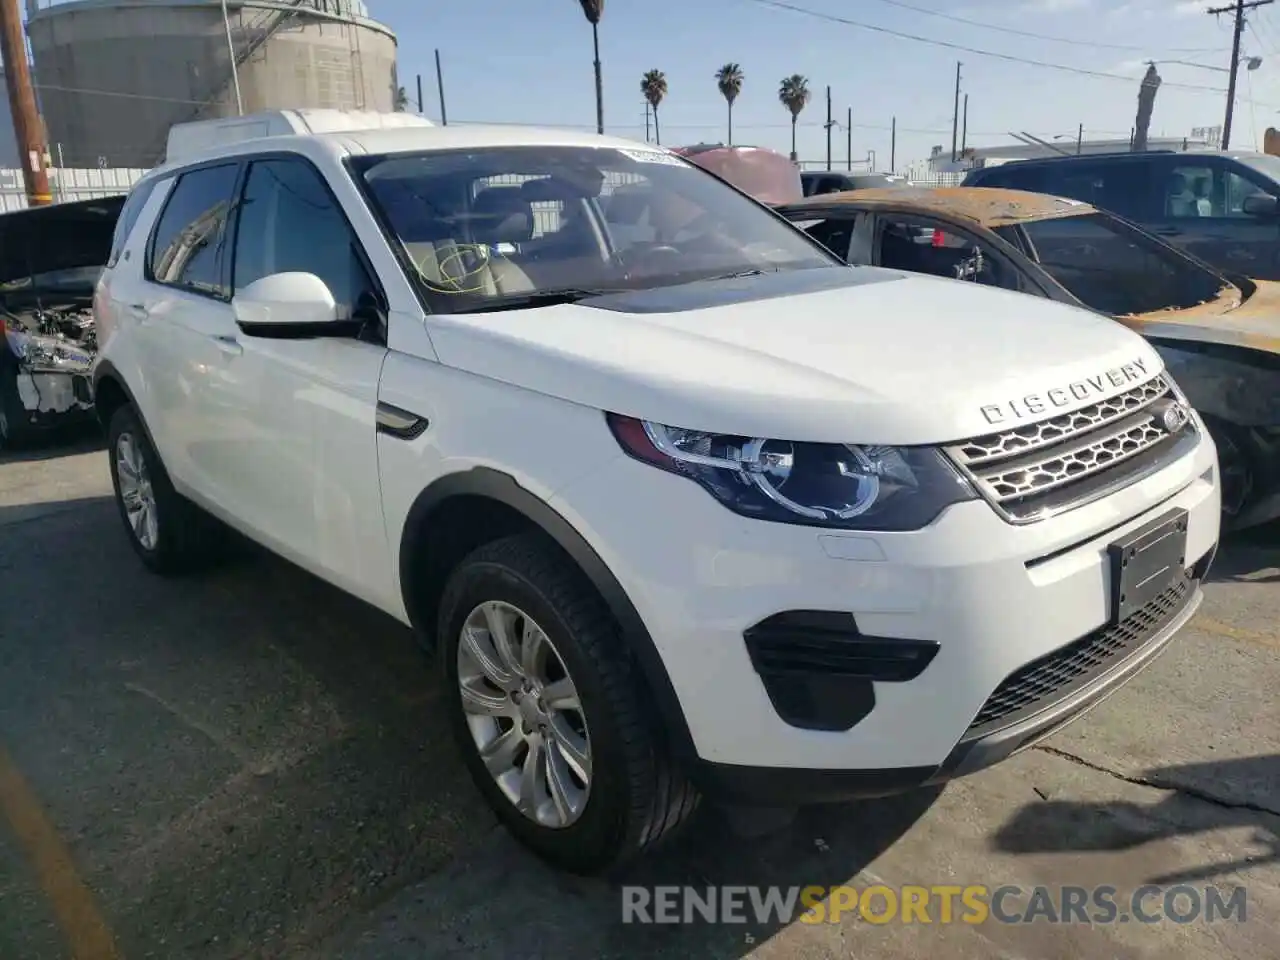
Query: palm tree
[794, 94]
[729, 80]
[594, 10]
[402, 100]
[654, 87]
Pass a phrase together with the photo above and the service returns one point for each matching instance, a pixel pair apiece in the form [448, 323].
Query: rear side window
[188, 242]
[129, 214]
[1031, 179]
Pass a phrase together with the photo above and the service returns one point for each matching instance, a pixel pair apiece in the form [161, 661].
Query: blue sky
[529, 61]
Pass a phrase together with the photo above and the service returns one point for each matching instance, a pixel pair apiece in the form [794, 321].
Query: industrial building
[112, 76]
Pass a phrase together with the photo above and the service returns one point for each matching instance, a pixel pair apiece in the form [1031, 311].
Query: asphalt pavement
[251, 764]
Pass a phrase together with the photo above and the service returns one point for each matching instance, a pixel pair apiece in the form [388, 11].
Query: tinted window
[494, 226]
[289, 222]
[1115, 270]
[1198, 189]
[129, 214]
[832, 185]
[186, 248]
[1122, 187]
[1011, 178]
[1266, 165]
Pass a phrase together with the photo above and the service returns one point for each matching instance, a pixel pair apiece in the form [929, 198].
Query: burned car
[50, 260]
[1219, 334]
[764, 174]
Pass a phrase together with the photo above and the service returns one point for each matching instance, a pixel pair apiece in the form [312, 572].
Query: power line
[1042, 36]
[1238, 9]
[116, 93]
[1008, 57]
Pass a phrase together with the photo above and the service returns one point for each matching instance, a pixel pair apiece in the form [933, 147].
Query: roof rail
[1062, 158]
[197, 136]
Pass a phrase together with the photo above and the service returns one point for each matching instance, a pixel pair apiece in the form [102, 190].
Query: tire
[183, 538]
[1236, 468]
[636, 795]
[14, 432]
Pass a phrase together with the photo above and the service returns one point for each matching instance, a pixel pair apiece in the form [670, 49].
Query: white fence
[67, 185]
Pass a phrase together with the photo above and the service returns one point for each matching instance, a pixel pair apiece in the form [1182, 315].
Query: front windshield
[1265, 164]
[1114, 269]
[507, 225]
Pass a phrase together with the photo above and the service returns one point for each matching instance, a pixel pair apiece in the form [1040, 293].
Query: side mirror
[286, 305]
[1261, 205]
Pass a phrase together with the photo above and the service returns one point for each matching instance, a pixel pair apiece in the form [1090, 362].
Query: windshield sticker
[652, 156]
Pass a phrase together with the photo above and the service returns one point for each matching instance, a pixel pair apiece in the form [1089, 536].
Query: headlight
[818, 484]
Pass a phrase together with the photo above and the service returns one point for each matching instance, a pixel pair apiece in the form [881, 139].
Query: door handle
[228, 345]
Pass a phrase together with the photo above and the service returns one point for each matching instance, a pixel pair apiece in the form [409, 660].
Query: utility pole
[893, 145]
[1079, 138]
[1238, 9]
[646, 121]
[419, 94]
[231, 52]
[955, 113]
[964, 126]
[444, 116]
[22, 102]
[848, 131]
[830, 124]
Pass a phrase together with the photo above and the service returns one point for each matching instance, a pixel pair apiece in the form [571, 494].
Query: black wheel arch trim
[502, 487]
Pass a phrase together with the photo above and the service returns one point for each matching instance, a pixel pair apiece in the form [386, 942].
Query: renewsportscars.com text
[940, 904]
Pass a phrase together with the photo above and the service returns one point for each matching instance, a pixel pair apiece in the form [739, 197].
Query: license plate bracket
[1145, 562]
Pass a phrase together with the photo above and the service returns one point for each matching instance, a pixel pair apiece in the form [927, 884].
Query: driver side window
[288, 221]
[921, 245]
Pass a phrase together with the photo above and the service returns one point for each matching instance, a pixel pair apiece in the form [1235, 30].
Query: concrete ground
[251, 764]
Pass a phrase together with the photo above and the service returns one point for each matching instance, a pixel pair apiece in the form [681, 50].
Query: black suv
[833, 181]
[1222, 207]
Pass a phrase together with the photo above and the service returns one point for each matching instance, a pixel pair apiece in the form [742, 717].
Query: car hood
[62, 236]
[1227, 319]
[865, 355]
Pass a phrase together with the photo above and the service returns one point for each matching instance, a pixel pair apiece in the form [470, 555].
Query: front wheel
[554, 726]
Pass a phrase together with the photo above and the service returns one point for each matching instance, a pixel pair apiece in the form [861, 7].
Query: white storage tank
[113, 76]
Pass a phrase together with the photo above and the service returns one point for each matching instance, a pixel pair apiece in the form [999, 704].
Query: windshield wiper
[539, 298]
[737, 275]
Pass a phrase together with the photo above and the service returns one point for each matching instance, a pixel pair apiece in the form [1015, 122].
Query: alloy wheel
[136, 493]
[524, 714]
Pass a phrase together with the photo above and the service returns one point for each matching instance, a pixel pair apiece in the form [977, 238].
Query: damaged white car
[50, 261]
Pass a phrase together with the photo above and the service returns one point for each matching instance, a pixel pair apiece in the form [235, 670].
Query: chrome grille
[1024, 439]
[1059, 463]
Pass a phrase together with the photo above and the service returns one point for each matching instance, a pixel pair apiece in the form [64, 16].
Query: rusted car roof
[988, 206]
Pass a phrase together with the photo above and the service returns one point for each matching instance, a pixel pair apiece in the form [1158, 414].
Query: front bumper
[990, 596]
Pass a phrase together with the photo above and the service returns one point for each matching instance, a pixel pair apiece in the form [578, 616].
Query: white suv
[701, 513]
